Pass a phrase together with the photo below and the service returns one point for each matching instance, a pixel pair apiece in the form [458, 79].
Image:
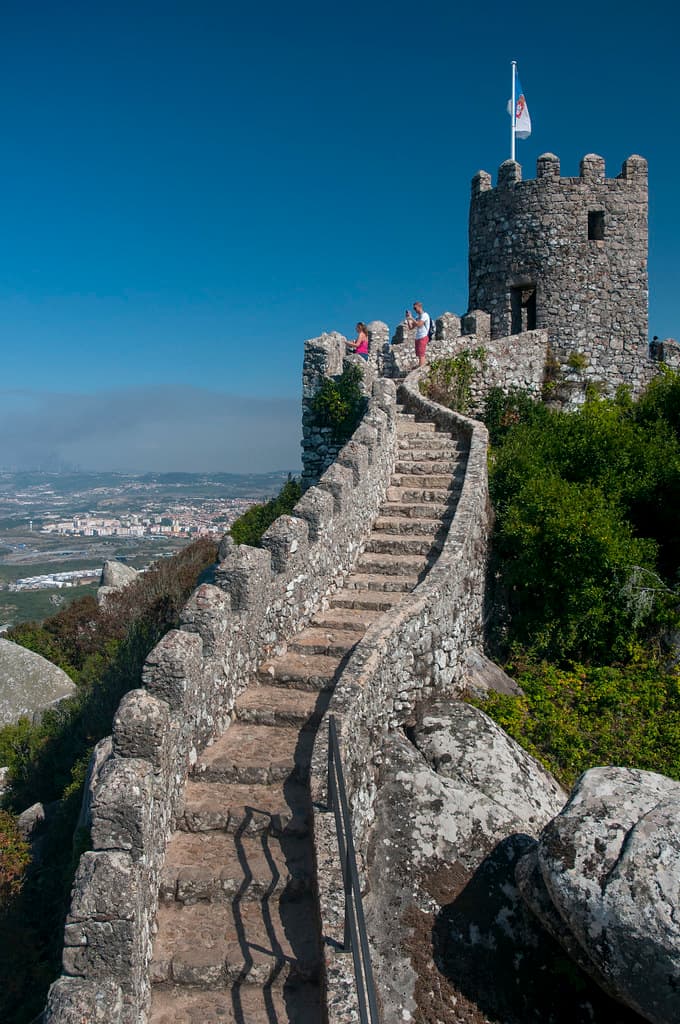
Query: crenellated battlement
[591, 171]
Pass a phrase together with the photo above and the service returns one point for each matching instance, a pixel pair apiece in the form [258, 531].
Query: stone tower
[568, 255]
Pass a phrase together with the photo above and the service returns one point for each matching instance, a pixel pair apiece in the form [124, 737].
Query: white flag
[522, 118]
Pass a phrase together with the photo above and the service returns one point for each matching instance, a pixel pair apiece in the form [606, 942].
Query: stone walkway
[238, 938]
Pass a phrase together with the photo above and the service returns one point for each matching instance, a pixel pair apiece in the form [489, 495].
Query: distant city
[136, 519]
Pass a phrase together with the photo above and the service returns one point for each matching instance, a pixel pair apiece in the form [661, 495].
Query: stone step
[425, 467]
[400, 544]
[434, 481]
[246, 809]
[216, 867]
[302, 671]
[244, 942]
[418, 495]
[386, 524]
[384, 582]
[387, 564]
[317, 640]
[243, 1004]
[366, 600]
[414, 509]
[409, 426]
[272, 705]
[256, 755]
[342, 617]
[432, 442]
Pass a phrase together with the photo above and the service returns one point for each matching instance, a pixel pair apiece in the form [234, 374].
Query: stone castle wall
[261, 598]
[509, 363]
[568, 255]
[411, 651]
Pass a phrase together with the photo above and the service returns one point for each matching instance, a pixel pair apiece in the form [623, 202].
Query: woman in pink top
[360, 346]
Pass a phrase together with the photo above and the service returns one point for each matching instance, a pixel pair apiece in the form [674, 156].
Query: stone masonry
[568, 255]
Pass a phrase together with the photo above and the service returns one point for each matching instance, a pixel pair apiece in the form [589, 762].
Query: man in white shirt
[421, 322]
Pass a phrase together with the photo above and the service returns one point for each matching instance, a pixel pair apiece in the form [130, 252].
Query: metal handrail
[355, 938]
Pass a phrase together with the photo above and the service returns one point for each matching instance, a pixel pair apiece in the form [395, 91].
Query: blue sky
[192, 189]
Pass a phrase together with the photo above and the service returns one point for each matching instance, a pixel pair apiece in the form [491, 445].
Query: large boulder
[458, 803]
[115, 575]
[29, 683]
[604, 879]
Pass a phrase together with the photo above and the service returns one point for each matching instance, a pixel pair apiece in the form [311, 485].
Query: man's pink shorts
[421, 345]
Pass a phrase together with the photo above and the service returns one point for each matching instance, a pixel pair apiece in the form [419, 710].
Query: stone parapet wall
[261, 598]
[409, 652]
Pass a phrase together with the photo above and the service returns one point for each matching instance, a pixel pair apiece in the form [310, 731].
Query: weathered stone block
[246, 575]
[287, 540]
[75, 1000]
[122, 807]
[173, 667]
[207, 612]
[140, 727]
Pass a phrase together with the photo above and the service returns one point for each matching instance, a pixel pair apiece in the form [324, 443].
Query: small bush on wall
[339, 404]
[449, 381]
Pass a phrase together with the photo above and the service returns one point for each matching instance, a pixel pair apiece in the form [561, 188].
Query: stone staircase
[238, 938]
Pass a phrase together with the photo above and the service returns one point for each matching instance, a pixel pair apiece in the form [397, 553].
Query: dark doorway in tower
[523, 309]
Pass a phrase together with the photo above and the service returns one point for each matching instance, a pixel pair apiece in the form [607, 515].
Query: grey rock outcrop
[604, 879]
[29, 683]
[115, 575]
[480, 676]
[461, 795]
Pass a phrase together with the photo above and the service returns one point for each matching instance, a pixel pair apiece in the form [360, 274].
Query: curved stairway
[238, 939]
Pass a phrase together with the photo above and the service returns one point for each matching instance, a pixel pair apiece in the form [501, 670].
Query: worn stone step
[418, 495]
[368, 581]
[366, 600]
[317, 640]
[246, 809]
[216, 866]
[248, 942]
[423, 527]
[434, 442]
[425, 467]
[302, 671]
[410, 426]
[242, 1004]
[256, 754]
[342, 617]
[273, 705]
[391, 565]
[440, 510]
[400, 544]
[433, 481]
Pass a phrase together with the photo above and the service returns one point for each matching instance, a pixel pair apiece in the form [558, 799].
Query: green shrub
[339, 404]
[14, 857]
[574, 719]
[577, 360]
[449, 381]
[249, 527]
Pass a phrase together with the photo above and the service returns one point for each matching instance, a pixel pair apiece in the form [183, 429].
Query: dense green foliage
[586, 547]
[449, 381]
[249, 527]
[103, 649]
[339, 403]
[584, 577]
[581, 717]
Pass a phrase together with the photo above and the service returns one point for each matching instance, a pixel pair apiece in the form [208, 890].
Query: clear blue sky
[193, 188]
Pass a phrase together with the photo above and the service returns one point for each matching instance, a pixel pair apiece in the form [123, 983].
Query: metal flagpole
[513, 112]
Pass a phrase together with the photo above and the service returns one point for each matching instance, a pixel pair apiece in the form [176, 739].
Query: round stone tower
[568, 255]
